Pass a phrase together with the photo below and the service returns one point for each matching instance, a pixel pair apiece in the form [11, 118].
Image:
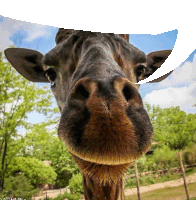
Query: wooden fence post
[183, 174]
[137, 181]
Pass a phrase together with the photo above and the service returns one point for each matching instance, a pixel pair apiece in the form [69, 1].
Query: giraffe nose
[99, 115]
[119, 87]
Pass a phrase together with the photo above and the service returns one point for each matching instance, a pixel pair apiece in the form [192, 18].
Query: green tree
[18, 187]
[174, 128]
[62, 163]
[43, 144]
[75, 184]
[153, 112]
[35, 170]
[18, 97]
[164, 156]
[38, 141]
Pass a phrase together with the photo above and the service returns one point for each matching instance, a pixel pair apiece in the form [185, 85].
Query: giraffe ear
[27, 62]
[154, 61]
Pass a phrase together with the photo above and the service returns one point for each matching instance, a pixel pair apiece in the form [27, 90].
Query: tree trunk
[183, 174]
[3, 164]
[1, 185]
[137, 181]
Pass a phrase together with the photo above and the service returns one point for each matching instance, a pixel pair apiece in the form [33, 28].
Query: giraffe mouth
[99, 172]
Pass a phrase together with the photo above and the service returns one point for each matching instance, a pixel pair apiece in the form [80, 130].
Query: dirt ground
[129, 192]
[50, 193]
[167, 184]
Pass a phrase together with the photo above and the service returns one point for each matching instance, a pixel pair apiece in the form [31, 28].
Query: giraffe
[103, 121]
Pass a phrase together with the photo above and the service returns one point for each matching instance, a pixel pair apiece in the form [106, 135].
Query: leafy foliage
[67, 196]
[35, 170]
[38, 141]
[19, 186]
[45, 145]
[75, 184]
[164, 156]
[173, 127]
[18, 98]
[190, 155]
[62, 163]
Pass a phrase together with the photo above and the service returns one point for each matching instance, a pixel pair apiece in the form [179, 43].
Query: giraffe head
[103, 121]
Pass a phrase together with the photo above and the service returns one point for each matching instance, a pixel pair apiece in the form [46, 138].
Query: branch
[1, 146]
[13, 108]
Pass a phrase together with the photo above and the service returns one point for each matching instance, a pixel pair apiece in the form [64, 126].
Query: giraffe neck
[102, 191]
[102, 182]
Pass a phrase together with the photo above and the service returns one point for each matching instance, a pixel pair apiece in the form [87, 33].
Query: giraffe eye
[51, 75]
[140, 70]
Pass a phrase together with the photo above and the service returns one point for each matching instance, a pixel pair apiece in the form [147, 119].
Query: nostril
[127, 92]
[81, 91]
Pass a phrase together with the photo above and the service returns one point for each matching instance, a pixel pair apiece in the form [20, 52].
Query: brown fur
[99, 138]
[102, 181]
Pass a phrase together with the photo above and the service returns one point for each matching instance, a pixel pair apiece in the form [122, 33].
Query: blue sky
[177, 90]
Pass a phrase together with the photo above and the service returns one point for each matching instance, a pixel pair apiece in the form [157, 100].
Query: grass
[175, 193]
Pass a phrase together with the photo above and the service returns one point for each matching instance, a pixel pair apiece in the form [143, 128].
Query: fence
[53, 193]
[175, 169]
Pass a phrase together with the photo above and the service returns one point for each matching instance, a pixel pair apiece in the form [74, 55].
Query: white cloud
[4, 38]
[10, 26]
[182, 74]
[33, 31]
[184, 97]
[171, 94]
